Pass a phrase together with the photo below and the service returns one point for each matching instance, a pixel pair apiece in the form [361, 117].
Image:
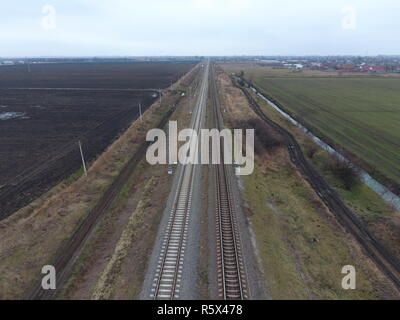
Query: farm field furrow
[40, 129]
[136, 75]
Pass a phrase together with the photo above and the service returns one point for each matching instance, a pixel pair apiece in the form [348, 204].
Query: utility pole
[83, 159]
[27, 64]
[159, 90]
[140, 112]
[190, 100]
[167, 149]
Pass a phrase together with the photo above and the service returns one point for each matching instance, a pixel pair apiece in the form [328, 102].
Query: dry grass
[104, 287]
[233, 102]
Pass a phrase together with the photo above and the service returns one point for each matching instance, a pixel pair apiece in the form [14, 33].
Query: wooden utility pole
[83, 159]
[140, 112]
[190, 100]
[27, 64]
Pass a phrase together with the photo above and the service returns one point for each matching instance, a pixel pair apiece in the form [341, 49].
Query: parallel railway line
[230, 265]
[167, 280]
[168, 275]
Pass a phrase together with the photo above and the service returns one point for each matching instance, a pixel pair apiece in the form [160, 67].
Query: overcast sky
[199, 27]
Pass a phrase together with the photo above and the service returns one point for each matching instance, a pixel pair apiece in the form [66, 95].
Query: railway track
[231, 274]
[387, 263]
[167, 279]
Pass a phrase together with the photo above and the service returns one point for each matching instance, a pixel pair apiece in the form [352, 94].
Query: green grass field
[360, 114]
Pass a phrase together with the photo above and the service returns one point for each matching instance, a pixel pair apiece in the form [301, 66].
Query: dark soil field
[45, 112]
[137, 75]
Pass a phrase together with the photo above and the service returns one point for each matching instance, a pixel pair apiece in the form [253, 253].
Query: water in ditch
[376, 186]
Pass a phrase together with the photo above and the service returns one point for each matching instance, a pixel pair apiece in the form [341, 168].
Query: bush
[345, 172]
[312, 150]
[265, 138]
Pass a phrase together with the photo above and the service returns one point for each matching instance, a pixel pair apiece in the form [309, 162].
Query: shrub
[312, 150]
[265, 138]
[345, 172]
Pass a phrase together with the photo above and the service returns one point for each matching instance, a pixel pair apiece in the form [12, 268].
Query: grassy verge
[302, 249]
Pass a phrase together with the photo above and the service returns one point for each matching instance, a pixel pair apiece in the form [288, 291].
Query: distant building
[345, 67]
[366, 68]
[316, 64]
[271, 61]
[378, 69]
[293, 65]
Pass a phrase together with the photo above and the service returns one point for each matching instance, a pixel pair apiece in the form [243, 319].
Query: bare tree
[345, 172]
[312, 150]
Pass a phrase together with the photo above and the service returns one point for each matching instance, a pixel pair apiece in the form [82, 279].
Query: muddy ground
[40, 128]
[136, 75]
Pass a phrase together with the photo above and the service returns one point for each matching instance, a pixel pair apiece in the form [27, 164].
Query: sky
[198, 27]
